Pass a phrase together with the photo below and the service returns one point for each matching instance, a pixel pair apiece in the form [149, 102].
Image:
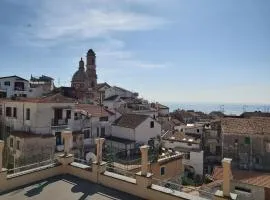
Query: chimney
[67, 135]
[1, 154]
[144, 162]
[226, 163]
[99, 142]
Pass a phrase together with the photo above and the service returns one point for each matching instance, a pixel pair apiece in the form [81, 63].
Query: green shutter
[247, 140]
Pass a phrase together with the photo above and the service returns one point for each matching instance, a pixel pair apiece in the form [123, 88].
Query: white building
[92, 121]
[15, 86]
[131, 129]
[48, 115]
[193, 159]
[120, 92]
[52, 115]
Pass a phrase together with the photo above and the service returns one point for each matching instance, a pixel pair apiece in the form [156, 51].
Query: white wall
[122, 132]
[115, 91]
[28, 91]
[196, 161]
[41, 115]
[196, 156]
[10, 89]
[164, 111]
[144, 132]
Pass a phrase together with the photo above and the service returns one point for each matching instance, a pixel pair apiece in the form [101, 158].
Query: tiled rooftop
[256, 125]
[65, 187]
[248, 177]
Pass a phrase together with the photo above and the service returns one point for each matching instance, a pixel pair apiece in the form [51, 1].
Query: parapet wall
[140, 186]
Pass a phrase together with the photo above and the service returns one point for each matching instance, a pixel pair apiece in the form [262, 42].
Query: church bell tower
[91, 68]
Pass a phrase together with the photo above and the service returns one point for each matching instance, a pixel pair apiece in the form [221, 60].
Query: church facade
[84, 80]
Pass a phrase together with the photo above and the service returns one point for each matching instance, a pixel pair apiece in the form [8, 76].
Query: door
[58, 113]
[102, 131]
[58, 138]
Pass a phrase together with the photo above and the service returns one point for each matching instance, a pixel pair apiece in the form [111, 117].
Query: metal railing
[59, 122]
[192, 190]
[120, 171]
[32, 166]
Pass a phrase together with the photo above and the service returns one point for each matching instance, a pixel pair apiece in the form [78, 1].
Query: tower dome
[80, 75]
[91, 53]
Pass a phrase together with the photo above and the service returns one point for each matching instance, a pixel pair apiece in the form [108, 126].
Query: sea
[226, 108]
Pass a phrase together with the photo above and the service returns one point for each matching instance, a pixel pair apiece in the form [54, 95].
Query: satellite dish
[90, 157]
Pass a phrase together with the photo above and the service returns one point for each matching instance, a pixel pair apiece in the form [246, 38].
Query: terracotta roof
[54, 98]
[22, 134]
[130, 120]
[111, 98]
[181, 137]
[248, 177]
[94, 110]
[254, 125]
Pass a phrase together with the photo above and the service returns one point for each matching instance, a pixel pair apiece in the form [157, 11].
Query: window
[74, 138]
[15, 112]
[86, 133]
[7, 83]
[11, 142]
[27, 113]
[103, 119]
[152, 124]
[102, 131]
[1, 110]
[76, 116]
[198, 130]
[8, 111]
[257, 160]
[97, 131]
[236, 142]
[18, 145]
[8, 129]
[242, 189]
[162, 171]
[68, 114]
[247, 140]
[187, 155]
[189, 144]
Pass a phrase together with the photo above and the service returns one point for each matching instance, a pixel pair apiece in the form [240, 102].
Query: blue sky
[170, 51]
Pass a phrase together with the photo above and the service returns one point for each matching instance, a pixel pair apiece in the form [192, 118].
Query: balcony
[59, 123]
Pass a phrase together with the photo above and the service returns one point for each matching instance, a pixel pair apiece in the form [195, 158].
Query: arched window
[93, 84]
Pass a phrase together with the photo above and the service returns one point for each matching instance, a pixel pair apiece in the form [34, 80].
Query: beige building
[26, 148]
[246, 140]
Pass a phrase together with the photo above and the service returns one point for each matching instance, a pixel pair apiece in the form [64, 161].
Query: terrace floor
[66, 187]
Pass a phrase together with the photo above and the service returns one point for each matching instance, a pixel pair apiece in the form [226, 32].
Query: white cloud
[93, 21]
[58, 20]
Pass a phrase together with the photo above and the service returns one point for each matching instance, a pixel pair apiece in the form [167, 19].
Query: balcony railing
[59, 122]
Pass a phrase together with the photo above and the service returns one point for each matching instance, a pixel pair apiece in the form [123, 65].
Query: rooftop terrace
[66, 187]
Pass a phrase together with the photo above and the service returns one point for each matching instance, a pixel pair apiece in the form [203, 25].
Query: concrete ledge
[219, 195]
[65, 159]
[80, 165]
[120, 177]
[31, 171]
[178, 194]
